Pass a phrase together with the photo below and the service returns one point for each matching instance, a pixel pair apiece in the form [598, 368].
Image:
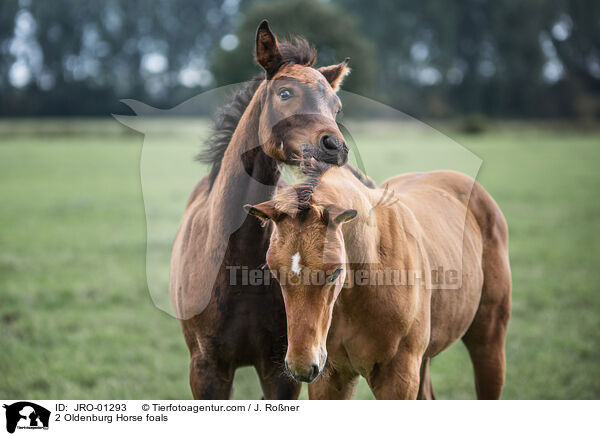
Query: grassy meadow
[77, 319]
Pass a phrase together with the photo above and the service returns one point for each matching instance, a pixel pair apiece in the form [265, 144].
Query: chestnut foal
[395, 312]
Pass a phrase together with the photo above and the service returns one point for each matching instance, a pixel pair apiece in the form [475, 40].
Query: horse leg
[333, 385]
[276, 384]
[425, 387]
[485, 337]
[487, 355]
[208, 380]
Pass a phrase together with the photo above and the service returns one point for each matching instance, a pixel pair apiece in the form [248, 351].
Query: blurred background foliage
[503, 58]
[334, 33]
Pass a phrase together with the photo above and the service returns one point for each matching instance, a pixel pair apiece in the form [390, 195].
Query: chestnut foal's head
[299, 102]
[307, 256]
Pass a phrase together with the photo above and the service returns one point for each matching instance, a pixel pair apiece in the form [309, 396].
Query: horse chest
[359, 345]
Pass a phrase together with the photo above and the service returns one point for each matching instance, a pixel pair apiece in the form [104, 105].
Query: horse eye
[335, 275]
[284, 93]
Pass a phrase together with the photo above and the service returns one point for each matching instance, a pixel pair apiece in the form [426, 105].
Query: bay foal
[272, 121]
[395, 314]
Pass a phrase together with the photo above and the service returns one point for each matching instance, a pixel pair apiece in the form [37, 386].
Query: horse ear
[345, 216]
[267, 51]
[265, 211]
[335, 74]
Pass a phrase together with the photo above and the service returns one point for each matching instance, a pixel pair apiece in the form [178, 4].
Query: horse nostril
[315, 371]
[307, 374]
[329, 142]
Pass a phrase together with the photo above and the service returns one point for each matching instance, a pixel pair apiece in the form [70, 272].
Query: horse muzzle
[306, 371]
[330, 150]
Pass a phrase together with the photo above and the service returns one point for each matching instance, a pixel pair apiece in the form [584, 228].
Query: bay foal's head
[307, 256]
[299, 102]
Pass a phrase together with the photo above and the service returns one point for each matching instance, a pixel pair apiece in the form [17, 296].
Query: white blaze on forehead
[296, 263]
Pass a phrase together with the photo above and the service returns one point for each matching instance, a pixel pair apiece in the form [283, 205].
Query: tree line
[503, 58]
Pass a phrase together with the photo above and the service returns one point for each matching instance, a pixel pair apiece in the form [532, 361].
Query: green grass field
[77, 320]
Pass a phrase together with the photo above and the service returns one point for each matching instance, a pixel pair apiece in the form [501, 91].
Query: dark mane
[296, 51]
[297, 198]
[313, 170]
[226, 121]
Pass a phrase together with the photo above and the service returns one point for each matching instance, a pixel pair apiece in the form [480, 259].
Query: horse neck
[361, 236]
[361, 241]
[247, 174]
[385, 237]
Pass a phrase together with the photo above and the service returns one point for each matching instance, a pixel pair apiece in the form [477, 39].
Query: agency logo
[26, 415]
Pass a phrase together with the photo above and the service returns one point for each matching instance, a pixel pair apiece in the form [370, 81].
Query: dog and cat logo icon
[26, 415]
